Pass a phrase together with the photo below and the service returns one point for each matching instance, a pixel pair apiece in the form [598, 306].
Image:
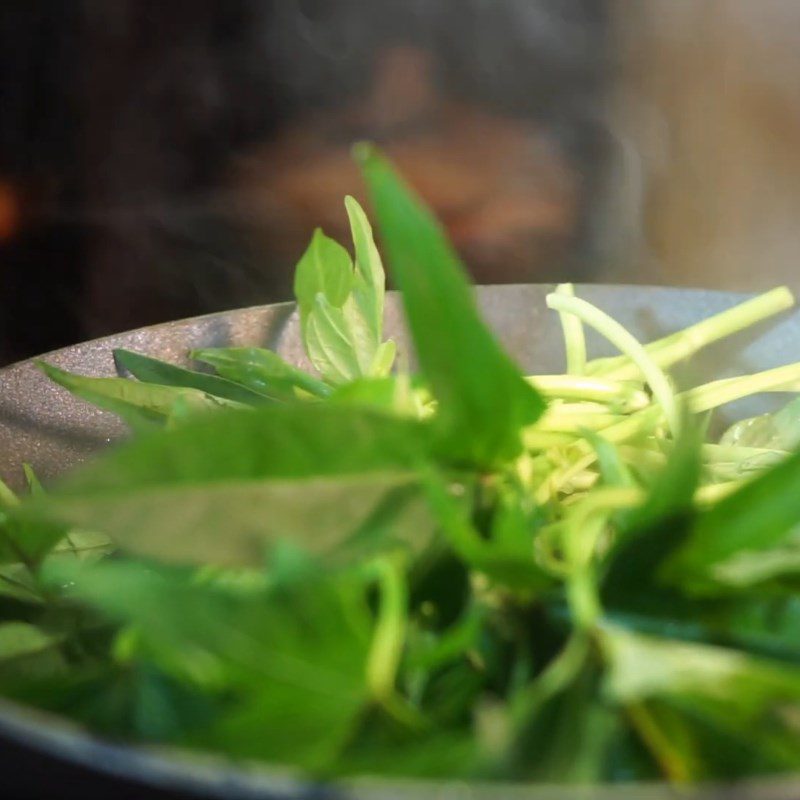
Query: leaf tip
[363, 152]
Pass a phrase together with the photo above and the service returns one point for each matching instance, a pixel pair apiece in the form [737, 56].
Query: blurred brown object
[706, 114]
[9, 211]
[503, 189]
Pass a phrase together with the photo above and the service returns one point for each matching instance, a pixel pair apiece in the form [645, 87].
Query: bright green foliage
[426, 575]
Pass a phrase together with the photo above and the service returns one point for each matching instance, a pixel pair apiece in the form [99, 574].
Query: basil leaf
[143, 406]
[761, 515]
[731, 693]
[311, 474]
[329, 342]
[151, 370]
[649, 535]
[261, 371]
[370, 278]
[324, 269]
[290, 659]
[27, 649]
[483, 399]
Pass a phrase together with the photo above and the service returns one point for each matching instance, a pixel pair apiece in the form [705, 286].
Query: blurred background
[165, 159]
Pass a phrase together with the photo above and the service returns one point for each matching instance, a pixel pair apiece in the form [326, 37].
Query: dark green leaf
[27, 541]
[759, 516]
[26, 649]
[136, 702]
[507, 558]
[650, 534]
[151, 370]
[546, 747]
[292, 658]
[733, 693]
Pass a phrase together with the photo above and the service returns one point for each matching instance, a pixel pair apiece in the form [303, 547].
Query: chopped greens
[469, 573]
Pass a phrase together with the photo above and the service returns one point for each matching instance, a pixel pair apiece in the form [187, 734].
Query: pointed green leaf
[152, 370]
[223, 489]
[261, 371]
[325, 268]
[483, 399]
[142, 405]
[761, 515]
[730, 692]
[369, 290]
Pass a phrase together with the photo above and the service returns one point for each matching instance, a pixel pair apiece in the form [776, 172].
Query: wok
[42, 424]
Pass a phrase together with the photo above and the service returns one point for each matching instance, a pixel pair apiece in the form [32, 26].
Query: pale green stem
[727, 390]
[583, 454]
[627, 344]
[685, 343]
[390, 630]
[598, 390]
[535, 439]
[556, 422]
[582, 534]
[708, 495]
[574, 340]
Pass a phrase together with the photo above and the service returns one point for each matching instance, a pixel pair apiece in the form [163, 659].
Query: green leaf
[546, 748]
[341, 308]
[330, 344]
[734, 694]
[613, 469]
[483, 399]
[224, 488]
[369, 286]
[34, 485]
[392, 395]
[761, 515]
[134, 702]
[325, 268]
[428, 651]
[292, 658]
[384, 359]
[409, 755]
[650, 534]
[142, 405]
[261, 371]
[24, 649]
[151, 370]
[507, 558]
[27, 541]
[17, 582]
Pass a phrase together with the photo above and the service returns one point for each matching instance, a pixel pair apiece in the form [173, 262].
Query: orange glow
[9, 212]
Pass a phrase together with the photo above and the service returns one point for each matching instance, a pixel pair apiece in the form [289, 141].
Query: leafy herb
[464, 573]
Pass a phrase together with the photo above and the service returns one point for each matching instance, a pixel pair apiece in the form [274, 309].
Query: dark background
[164, 159]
